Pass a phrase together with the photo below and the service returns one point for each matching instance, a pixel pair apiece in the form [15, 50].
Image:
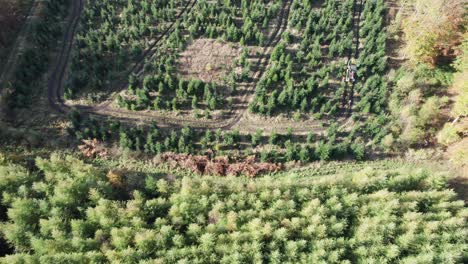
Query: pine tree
[273, 138]
[256, 138]
[125, 142]
[194, 102]
[304, 154]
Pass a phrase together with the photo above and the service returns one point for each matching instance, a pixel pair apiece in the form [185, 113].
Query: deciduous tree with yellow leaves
[432, 29]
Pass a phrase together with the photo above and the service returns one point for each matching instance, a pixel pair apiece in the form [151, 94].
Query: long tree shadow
[460, 186]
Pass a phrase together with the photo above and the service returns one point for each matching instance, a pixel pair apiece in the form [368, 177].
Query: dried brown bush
[218, 166]
[92, 148]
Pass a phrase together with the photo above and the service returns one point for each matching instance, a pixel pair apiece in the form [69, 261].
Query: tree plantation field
[62, 210]
[175, 24]
[214, 68]
[208, 63]
[233, 131]
[279, 80]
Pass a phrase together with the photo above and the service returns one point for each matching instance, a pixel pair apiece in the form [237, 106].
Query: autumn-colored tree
[460, 108]
[432, 28]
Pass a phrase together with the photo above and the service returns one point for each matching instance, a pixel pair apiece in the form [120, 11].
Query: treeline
[432, 30]
[372, 89]
[34, 61]
[334, 145]
[419, 103]
[66, 211]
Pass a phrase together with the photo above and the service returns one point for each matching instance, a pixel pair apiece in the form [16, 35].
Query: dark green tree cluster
[67, 211]
[299, 80]
[335, 145]
[156, 93]
[113, 34]
[153, 141]
[218, 19]
[34, 61]
[372, 59]
[374, 128]
[91, 128]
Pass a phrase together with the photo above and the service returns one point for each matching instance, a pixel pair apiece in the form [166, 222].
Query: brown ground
[209, 60]
[220, 166]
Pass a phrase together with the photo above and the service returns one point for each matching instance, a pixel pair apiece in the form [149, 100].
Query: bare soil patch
[208, 60]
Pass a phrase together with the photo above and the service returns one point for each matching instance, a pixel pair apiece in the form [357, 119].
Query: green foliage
[301, 80]
[460, 107]
[432, 27]
[257, 137]
[33, 62]
[448, 135]
[68, 212]
[429, 111]
[115, 34]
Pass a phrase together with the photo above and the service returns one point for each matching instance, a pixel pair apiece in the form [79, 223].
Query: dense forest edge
[62, 209]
